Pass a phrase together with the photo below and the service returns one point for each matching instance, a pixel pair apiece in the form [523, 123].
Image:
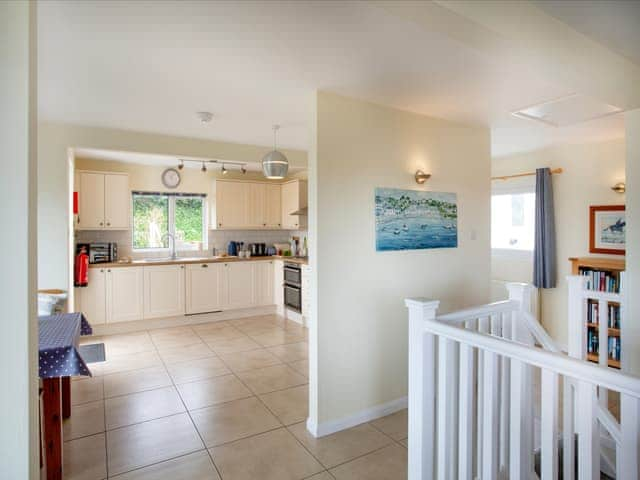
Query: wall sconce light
[422, 177]
[619, 187]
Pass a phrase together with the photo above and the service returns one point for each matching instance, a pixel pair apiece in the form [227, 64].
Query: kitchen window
[513, 222]
[182, 215]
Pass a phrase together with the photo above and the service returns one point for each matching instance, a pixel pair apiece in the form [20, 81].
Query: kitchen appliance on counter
[293, 286]
[100, 252]
[258, 249]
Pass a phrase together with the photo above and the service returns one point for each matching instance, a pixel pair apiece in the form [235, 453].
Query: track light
[181, 165]
[224, 169]
[243, 169]
[204, 167]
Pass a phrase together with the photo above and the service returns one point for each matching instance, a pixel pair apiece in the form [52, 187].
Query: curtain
[544, 250]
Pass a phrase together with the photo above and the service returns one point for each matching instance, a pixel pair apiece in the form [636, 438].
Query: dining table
[59, 360]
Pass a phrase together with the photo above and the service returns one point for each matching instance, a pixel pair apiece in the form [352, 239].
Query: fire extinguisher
[81, 276]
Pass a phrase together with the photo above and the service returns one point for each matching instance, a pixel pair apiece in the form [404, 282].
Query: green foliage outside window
[188, 218]
[150, 221]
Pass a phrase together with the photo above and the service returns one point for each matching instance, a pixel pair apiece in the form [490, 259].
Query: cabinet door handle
[108, 224]
[204, 265]
[181, 266]
[219, 224]
[101, 223]
[102, 270]
[109, 270]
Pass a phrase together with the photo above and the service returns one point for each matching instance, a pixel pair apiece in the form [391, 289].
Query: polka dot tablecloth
[58, 345]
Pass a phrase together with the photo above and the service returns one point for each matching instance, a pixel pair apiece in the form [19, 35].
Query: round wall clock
[171, 178]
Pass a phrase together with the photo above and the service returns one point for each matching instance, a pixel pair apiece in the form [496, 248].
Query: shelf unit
[587, 341]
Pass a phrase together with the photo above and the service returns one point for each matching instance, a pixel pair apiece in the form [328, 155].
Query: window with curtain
[513, 215]
[182, 215]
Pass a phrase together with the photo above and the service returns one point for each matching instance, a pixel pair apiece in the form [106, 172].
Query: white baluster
[549, 427]
[447, 408]
[628, 465]
[505, 392]
[483, 326]
[518, 449]
[465, 415]
[603, 347]
[589, 433]
[568, 430]
[422, 388]
[490, 417]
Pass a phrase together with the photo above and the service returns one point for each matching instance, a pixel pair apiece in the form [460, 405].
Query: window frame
[524, 186]
[171, 220]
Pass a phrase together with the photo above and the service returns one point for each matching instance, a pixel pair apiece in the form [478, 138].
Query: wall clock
[171, 178]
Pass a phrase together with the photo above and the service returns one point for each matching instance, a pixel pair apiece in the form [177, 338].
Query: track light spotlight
[243, 169]
[224, 169]
[181, 165]
[204, 167]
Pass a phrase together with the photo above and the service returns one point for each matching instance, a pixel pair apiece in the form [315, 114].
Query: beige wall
[55, 139]
[361, 326]
[19, 339]
[590, 170]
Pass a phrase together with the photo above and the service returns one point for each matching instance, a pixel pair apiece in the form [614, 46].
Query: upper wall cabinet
[247, 205]
[294, 198]
[103, 201]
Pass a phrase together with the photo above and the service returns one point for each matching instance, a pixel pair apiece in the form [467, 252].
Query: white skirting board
[367, 415]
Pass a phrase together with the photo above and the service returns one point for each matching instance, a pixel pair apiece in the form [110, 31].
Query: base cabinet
[164, 291]
[124, 294]
[204, 287]
[92, 298]
[263, 279]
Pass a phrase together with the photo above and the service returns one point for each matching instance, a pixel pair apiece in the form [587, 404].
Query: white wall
[361, 326]
[590, 170]
[54, 140]
[631, 329]
[18, 342]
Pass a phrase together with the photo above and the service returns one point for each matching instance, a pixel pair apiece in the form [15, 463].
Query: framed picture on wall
[607, 229]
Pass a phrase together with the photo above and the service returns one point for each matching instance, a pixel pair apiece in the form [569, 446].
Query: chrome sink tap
[173, 244]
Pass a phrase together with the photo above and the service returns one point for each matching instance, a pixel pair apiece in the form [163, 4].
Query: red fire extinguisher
[81, 276]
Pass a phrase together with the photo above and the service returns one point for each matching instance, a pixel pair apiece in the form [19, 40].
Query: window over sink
[156, 216]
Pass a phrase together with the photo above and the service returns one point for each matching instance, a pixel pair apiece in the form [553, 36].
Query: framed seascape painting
[415, 220]
[607, 229]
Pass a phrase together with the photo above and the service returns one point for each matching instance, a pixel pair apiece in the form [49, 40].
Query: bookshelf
[597, 301]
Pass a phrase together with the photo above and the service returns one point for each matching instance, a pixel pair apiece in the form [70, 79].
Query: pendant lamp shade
[274, 164]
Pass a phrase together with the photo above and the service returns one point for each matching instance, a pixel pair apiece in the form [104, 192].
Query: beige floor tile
[277, 338]
[210, 326]
[89, 339]
[250, 360]
[291, 352]
[85, 458]
[142, 406]
[184, 354]
[86, 419]
[290, 406]
[232, 421]
[127, 343]
[212, 391]
[259, 329]
[394, 425]
[405, 442]
[96, 369]
[269, 379]
[176, 339]
[343, 446]
[197, 370]
[233, 345]
[135, 381]
[389, 463]
[126, 363]
[195, 466]
[301, 366]
[87, 390]
[321, 476]
[271, 456]
[151, 442]
[225, 333]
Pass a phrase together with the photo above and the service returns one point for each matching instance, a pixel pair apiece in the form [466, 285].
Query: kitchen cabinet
[92, 298]
[239, 280]
[247, 205]
[205, 287]
[294, 197]
[164, 291]
[232, 199]
[273, 206]
[103, 201]
[263, 280]
[278, 283]
[124, 294]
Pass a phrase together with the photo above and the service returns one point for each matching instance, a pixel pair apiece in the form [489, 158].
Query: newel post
[422, 388]
[521, 293]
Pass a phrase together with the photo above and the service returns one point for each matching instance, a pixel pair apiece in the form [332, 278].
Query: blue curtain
[544, 250]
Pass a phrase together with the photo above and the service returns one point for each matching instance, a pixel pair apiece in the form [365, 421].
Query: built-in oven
[293, 286]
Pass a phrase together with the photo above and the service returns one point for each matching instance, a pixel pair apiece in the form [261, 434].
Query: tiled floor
[225, 400]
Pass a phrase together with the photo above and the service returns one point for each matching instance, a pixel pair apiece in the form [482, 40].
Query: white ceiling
[151, 66]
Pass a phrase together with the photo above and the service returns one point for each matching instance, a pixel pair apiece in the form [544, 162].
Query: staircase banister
[479, 311]
[540, 334]
[555, 362]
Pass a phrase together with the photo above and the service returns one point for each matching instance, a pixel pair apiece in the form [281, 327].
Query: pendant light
[274, 164]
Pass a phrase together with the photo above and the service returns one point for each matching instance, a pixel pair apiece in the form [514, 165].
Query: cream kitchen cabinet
[232, 204]
[92, 298]
[294, 197]
[103, 201]
[240, 285]
[273, 206]
[278, 283]
[247, 205]
[205, 287]
[263, 281]
[124, 293]
[164, 291]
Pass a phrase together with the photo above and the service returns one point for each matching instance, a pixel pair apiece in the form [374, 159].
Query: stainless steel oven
[293, 286]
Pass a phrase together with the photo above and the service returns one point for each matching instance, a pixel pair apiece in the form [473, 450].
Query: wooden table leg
[66, 397]
[52, 417]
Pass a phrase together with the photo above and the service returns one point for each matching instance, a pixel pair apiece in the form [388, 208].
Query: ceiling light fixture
[181, 165]
[204, 167]
[204, 117]
[224, 169]
[421, 177]
[619, 187]
[274, 164]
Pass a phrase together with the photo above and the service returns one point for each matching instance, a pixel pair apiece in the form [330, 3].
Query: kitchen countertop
[188, 260]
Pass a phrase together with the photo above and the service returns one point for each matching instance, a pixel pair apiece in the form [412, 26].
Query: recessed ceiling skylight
[567, 110]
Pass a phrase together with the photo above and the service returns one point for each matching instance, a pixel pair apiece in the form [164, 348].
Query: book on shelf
[593, 314]
[601, 280]
[593, 345]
